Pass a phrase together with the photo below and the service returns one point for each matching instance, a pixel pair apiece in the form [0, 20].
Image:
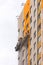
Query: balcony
[22, 41]
[29, 46]
[18, 45]
[39, 56]
[28, 57]
[29, 52]
[39, 10]
[39, 22]
[39, 33]
[38, 0]
[38, 44]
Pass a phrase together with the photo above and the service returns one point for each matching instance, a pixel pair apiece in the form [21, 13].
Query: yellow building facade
[27, 25]
[31, 28]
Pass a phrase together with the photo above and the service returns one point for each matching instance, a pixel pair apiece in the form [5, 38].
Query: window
[34, 12]
[30, 51]
[27, 60]
[23, 52]
[39, 27]
[39, 62]
[27, 45]
[39, 15]
[23, 62]
[34, 56]
[34, 23]
[23, 32]
[23, 23]
[39, 39]
[38, 5]
[39, 50]
[18, 58]
[30, 40]
[18, 30]
[42, 57]
[31, 62]
[34, 45]
[30, 30]
[26, 26]
[34, 64]
[30, 8]
[31, 19]
[34, 34]
[27, 15]
[34, 2]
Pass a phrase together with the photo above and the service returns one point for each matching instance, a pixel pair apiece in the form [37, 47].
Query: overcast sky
[9, 9]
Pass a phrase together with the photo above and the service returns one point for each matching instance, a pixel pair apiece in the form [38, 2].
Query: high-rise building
[22, 45]
[30, 40]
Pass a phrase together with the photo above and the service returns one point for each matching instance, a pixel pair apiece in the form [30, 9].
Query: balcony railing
[39, 56]
[39, 10]
[39, 22]
[38, 0]
[39, 33]
[21, 42]
[39, 44]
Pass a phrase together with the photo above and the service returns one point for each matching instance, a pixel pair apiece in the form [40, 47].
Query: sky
[9, 10]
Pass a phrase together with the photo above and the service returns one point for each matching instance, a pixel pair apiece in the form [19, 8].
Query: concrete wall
[20, 25]
[23, 56]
